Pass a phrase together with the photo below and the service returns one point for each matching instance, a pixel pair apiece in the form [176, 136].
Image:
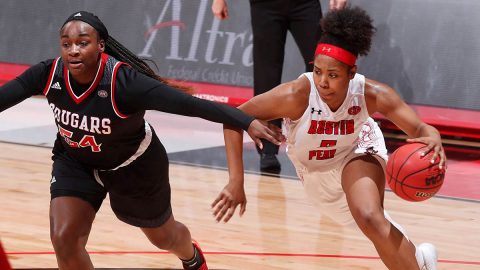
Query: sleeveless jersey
[90, 127]
[321, 139]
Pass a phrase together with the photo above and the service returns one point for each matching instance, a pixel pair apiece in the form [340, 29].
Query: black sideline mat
[215, 157]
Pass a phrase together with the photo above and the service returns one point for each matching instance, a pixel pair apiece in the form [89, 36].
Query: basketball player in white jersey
[337, 149]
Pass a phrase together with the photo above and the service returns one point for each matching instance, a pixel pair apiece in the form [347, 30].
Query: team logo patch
[354, 110]
[102, 93]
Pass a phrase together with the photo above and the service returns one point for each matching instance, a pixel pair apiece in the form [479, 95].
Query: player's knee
[371, 222]
[169, 239]
[66, 241]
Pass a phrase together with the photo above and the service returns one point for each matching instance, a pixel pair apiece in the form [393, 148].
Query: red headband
[338, 53]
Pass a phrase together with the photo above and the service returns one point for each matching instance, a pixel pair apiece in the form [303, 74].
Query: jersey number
[323, 154]
[86, 141]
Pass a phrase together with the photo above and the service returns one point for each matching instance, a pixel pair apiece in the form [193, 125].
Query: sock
[195, 262]
[418, 253]
[419, 257]
[395, 224]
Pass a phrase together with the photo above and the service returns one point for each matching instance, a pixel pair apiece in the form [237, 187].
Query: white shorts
[325, 188]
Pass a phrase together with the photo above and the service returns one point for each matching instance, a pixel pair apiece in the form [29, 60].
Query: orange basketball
[411, 176]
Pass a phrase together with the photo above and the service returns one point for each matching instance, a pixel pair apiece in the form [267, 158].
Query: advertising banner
[429, 50]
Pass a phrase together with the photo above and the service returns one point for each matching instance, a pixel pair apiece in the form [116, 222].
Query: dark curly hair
[349, 28]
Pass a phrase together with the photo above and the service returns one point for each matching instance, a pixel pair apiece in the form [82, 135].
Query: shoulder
[126, 71]
[379, 96]
[42, 68]
[373, 88]
[287, 100]
[36, 76]
[296, 91]
[300, 88]
[130, 78]
[296, 96]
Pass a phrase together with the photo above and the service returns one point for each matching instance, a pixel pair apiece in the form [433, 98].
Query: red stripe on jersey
[92, 87]
[114, 77]
[50, 77]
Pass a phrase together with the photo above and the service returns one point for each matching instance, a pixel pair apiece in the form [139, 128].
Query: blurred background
[428, 50]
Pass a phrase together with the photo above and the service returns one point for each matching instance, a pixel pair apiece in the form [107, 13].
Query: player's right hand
[226, 203]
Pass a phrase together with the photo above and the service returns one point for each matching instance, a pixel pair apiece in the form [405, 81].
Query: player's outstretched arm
[282, 101]
[233, 194]
[27, 84]
[144, 93]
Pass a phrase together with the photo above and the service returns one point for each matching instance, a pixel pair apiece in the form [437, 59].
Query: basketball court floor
[280, 230]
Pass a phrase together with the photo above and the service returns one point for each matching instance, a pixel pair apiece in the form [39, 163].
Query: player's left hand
[227, 201]
[258, 130]
[435, 145]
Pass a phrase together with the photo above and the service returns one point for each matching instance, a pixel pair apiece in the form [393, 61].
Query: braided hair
[121, 53]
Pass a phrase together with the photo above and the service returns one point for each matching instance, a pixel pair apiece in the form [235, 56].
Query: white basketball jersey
[321, 139]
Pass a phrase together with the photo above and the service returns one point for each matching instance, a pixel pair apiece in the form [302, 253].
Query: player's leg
[75, 198]
[70, 224]
[363, 181]
[140, 196]
[425, 253]
[175, 237]
[305, 28]
[269, 27]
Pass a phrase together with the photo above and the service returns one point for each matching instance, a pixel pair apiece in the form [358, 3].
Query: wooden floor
[280, 229]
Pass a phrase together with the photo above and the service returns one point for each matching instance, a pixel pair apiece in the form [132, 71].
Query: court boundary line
[269, 254]
[238, 253]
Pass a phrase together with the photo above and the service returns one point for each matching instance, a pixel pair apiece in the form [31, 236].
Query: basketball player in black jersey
[98, 91]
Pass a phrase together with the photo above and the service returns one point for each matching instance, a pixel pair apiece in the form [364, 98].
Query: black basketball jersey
[91, 129]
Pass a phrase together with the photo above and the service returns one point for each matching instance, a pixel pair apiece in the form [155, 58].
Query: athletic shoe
[429, 257]
[269, 163]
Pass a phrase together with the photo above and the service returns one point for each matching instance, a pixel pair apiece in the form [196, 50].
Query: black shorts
[139, 192]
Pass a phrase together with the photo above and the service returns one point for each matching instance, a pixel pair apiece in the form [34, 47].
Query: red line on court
[271, 254]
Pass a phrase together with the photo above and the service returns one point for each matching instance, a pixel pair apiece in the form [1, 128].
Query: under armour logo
[318, 111]
[325, 49]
